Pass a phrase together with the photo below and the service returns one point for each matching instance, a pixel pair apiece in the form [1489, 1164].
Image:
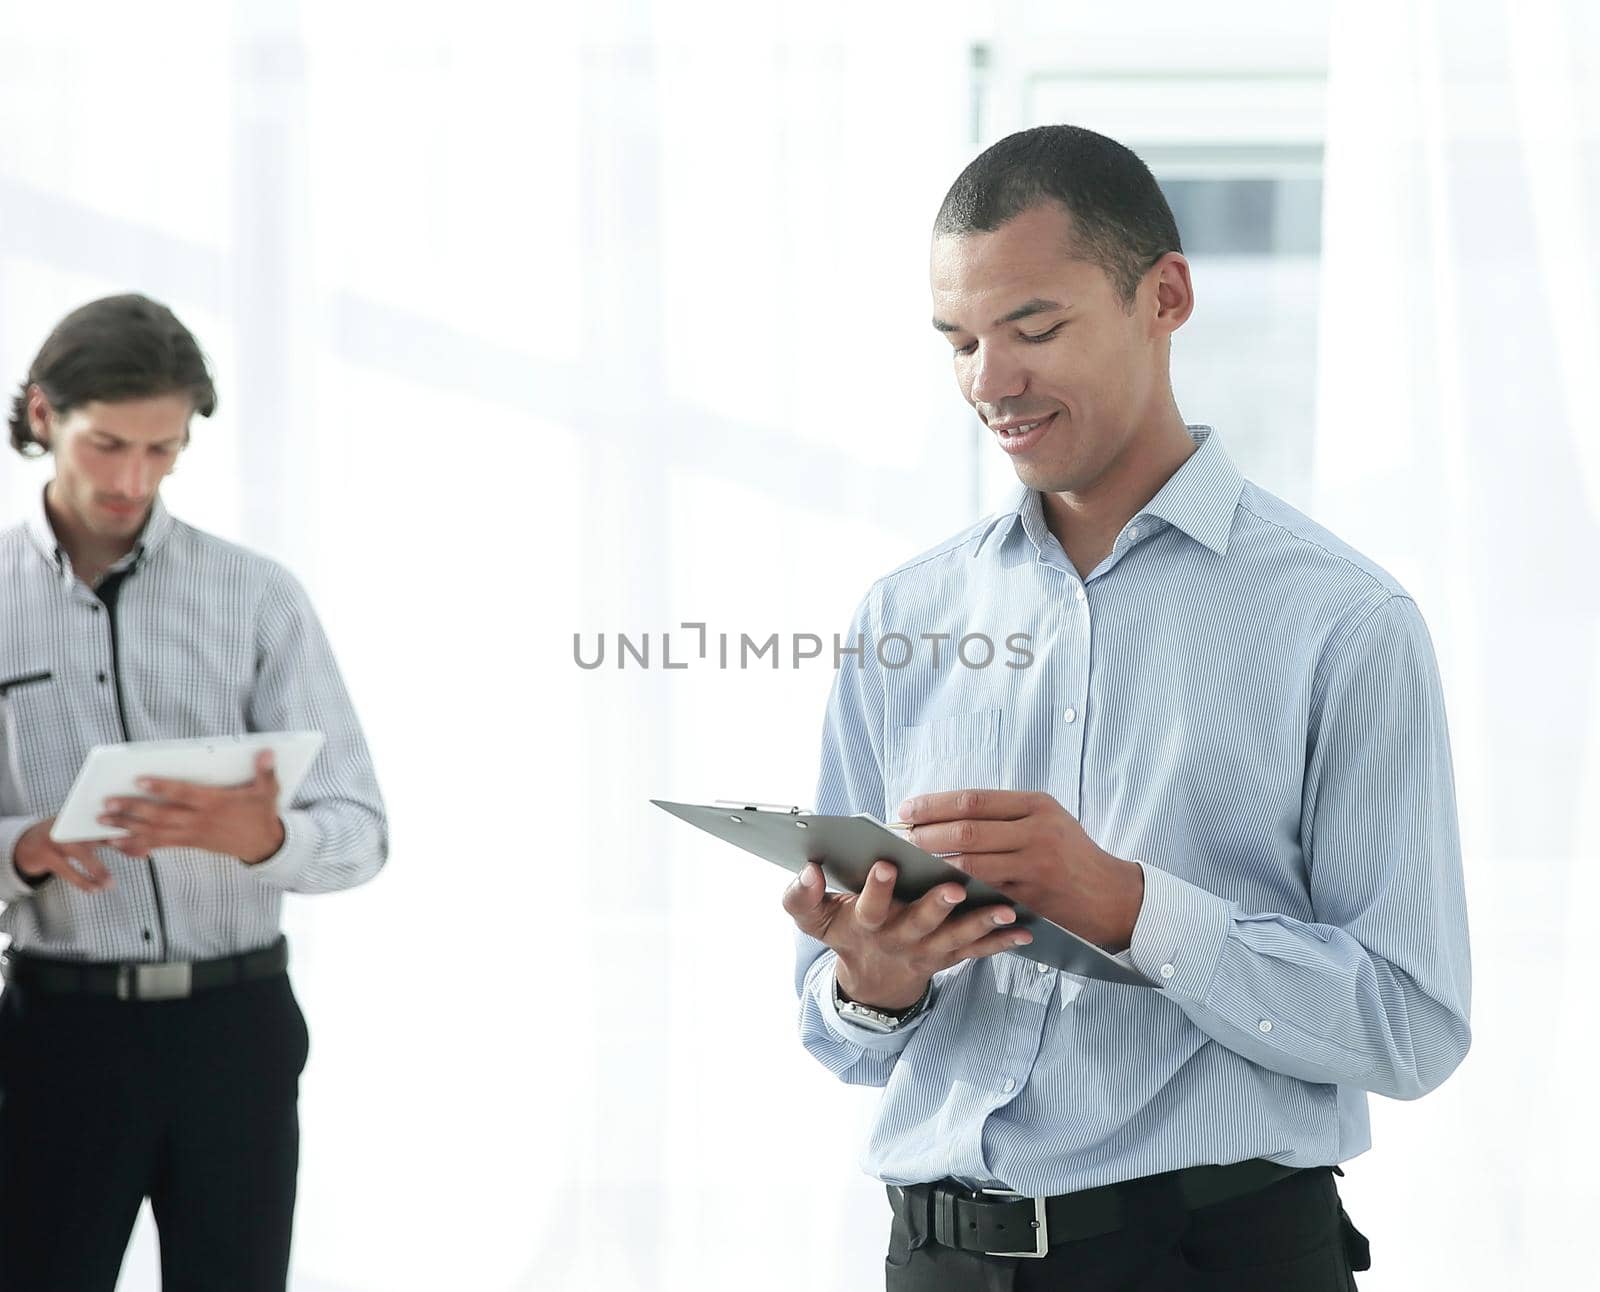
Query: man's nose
[137, 477]
[996, 377]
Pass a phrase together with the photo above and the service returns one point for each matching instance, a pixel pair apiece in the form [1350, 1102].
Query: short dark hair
[1120, 218]
[115, 348]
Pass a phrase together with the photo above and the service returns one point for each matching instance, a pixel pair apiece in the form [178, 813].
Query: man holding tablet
[1226, 763]
[150, 1044]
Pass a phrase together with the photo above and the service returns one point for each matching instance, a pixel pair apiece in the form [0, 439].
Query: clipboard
[846, 846]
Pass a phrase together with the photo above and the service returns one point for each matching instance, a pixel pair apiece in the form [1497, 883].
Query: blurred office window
[1246, 362]
[1456, 439]
[1230, 122]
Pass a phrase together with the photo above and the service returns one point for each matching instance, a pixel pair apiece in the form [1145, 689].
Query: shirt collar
[156, 528]
[1202, 495]
[1200, 499]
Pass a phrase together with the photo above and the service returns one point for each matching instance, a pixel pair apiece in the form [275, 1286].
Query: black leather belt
[143, 980]
[998, 1222]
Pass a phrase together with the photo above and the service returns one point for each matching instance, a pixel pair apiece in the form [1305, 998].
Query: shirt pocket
[957, 752]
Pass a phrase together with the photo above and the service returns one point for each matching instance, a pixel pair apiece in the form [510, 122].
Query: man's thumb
[804, 897]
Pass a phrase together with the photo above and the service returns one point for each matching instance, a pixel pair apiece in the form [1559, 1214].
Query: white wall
[614, 317]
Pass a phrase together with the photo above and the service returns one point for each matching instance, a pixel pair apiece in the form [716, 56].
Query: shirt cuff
[13, 887]
[1179, 935]
[299, 848]
[853, 1033]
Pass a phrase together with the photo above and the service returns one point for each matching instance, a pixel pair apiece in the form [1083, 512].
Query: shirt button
[1078, 592]
[1133, 534]
[1266, 1025]
[1166, 971]
[1009, 1086]
[1042, 968]
[1071, 715]
[100, 677]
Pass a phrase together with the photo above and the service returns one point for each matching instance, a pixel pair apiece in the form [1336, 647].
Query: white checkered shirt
[205, 639]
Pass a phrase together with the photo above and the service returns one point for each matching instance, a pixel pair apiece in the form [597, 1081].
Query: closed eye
[1033, 338]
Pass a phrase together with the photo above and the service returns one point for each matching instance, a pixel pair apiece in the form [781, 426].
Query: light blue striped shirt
[1251, 710]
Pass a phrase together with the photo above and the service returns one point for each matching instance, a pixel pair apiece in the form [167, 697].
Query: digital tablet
[113, 771]
[846, 846]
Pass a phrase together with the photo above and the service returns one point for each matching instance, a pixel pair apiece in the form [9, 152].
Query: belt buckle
[1041, 1224]
[168, 980]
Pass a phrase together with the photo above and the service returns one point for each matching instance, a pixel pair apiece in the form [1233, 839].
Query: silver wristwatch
[879, 1020]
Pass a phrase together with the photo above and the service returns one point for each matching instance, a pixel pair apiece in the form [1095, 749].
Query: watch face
[876, 1020]
[869, 1018]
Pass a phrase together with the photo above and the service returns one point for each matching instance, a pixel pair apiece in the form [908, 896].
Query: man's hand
[1033, 850]
[888, 950]
[236, 820]
[37, 855]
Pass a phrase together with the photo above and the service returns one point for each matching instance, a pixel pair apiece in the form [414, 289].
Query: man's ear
[41, 417]
[1174, 290]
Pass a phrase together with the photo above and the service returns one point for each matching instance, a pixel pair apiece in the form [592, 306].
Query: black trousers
[1291, 1236]
[191, 1103]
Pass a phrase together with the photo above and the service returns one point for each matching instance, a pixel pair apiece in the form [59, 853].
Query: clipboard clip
[742, 806]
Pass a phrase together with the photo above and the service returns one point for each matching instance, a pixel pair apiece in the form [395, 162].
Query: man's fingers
[994, 943]
[806, 893]
[184, 793]
[126, 814]
[71, 874]
[961, 935]
[957, 805]
[82, 868]
[970, 836]
[996, 869]
[931, 910]
[808, 903]
[876, 903]
[266, 774]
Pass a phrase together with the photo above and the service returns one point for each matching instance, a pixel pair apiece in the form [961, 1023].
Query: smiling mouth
[1014, 437]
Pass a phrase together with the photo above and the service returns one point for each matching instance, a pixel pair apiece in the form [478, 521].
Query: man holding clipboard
[150, 1044]
[1226, 762]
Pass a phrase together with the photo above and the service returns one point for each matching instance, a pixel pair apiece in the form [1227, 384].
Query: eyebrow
[1037, 305]
[117, 439]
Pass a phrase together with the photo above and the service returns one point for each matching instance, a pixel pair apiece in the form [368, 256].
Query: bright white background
[605, 318]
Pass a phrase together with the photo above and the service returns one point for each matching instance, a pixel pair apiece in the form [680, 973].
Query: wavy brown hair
[115, 348]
